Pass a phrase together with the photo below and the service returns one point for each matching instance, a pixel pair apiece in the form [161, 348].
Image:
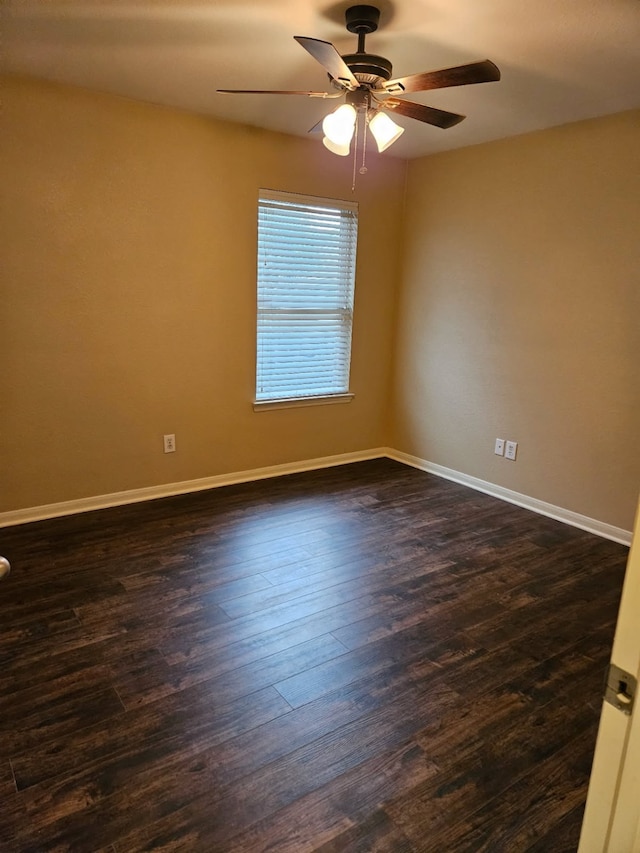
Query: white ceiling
[561, 60]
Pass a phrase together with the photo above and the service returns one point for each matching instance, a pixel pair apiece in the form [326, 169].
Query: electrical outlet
[511, 451]
[499, 448]
[169, 443]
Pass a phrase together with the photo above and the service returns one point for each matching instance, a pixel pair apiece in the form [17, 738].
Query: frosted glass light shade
[338, 127]
[341, 150]
[385, 131]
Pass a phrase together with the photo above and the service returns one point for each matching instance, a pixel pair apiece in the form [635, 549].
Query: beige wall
[128, 296]
[128, 301]
[520, 314]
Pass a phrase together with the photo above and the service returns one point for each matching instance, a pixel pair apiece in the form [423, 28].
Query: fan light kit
[364, 79]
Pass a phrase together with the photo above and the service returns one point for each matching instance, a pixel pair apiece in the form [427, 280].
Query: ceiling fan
[365, 80]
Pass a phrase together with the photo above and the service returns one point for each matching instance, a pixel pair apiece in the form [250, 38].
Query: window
[306, 277]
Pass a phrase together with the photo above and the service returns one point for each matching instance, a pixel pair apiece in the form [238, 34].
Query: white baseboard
[39, 513]
[592, 525]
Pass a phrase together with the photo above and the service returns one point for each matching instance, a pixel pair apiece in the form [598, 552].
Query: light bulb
[385, 131]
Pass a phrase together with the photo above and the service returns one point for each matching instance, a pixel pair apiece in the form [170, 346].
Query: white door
[612, 816]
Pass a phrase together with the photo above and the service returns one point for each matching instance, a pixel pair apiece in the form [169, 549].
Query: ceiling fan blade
[461, 75]
[327, 55]
[317, 127]
[277, 92]
[429, 115]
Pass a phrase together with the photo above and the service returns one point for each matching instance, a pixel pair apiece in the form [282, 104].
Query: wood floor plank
[37, 718]
[357, 665]
[530, 807]
[350, 574]
[319, 818]
[183, 723]
[540, 631]
[376, 834]
[341, 805]
[7, 780]
[315, 741]
[46, 624]
[560, 836]
[310, 621]
[66, 670]
[481, 774]
[276, 785]
[110, 782]
[301, 603]
[362, 658]
[194, 582]
[232, 683]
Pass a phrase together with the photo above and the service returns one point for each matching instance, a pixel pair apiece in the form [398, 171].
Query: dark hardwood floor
[364, 658]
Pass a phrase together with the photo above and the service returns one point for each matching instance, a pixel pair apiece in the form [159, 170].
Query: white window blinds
[306, 276]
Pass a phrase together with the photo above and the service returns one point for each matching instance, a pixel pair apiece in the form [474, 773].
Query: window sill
[297, 402]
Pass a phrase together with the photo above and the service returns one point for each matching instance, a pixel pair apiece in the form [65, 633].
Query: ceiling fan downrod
[362, 20]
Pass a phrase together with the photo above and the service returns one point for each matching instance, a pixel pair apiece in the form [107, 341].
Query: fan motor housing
[368, 68]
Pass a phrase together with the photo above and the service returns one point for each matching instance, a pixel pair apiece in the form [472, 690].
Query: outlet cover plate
[511, 450]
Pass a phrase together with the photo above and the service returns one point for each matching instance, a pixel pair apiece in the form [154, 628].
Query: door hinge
[620, 689]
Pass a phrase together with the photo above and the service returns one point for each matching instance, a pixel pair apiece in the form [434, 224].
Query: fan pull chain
[355, 154]
[363, 168]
